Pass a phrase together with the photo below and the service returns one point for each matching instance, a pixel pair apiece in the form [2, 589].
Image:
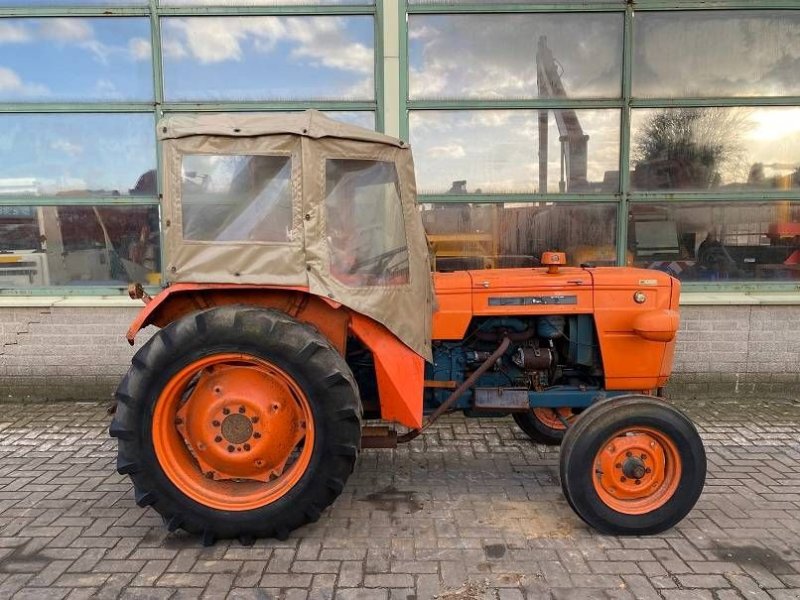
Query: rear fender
[399, 370]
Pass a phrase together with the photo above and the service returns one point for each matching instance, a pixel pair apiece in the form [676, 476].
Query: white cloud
[11, 84]
[140, 48]
[13, 34]
[321, 40]
[66, 30]
[67, 147]
[448, 150]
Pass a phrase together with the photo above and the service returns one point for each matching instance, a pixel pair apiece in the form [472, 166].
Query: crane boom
[574, 143]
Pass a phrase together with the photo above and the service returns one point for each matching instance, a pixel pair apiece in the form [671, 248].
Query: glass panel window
[477, 236]
[269, 58]
[758, 241]
[77, 155]
[716, 53]
[365, 225]
[508, 151]
[520, 2]
[515, 56]
[236, 198]
[78, 246]
[73, 59]
[737, 149]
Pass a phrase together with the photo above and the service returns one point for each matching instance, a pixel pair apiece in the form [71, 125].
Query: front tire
[237, 422]
[632, 465]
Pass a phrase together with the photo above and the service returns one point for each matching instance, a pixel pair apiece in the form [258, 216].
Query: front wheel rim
[233, 431]
[637, 470]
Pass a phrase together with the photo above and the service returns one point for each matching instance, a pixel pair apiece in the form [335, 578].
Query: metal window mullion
[488, 198]
[529, 103]
[158, 92]
[454, 8]
[675, 5]
[75, 107]
[73, 11]
[277, 106]
[716, 196]
[378, 67]
[625, 138]
[715, 101]
[267, 10]
[78, 201]
[402, 7]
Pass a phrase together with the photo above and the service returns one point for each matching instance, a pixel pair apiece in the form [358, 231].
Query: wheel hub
[636, 471]
[240, 422]
[237, 429]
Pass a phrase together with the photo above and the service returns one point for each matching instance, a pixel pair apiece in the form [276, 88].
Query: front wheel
[237, 422]
[632, 465]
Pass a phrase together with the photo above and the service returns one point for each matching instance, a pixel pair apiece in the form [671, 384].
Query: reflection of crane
[573, 140]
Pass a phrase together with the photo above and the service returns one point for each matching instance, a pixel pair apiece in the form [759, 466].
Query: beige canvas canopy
[298, 200]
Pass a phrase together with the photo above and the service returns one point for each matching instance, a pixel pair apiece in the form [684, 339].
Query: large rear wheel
[632, 465]
[237, 422]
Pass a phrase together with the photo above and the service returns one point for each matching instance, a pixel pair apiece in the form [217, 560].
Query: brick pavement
[470, 511]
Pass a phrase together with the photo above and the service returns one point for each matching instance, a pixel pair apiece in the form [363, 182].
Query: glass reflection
[268, 58]
[717, 241]
[477, 236]
[78, 245]
[516, 151]
[515, 55]
[716, 53]
[743, 148]
[77, 155]
[69, 59]
[258, 2]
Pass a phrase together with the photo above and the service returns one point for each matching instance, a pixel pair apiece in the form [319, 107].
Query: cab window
[365, 226]
[236, 198]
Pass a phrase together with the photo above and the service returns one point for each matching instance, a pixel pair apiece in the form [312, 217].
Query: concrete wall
[80, 352]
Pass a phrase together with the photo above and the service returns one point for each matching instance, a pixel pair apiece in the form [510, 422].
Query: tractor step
[502, 399]
[378, 436]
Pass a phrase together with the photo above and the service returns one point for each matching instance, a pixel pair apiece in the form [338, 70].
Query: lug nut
[618, 465]
[247, 446]
[231, 448]
[215, 423]
[628, 454]
[254, 419]
[638, 481]
[256, 435]
[623, 479]
[226, 411]
[241, 409]
[648, 470]
[218, 439]
[643, 457]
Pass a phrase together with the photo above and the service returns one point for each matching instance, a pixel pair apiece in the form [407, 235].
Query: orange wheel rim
[637, 470]
[549, 417]
[233, 431]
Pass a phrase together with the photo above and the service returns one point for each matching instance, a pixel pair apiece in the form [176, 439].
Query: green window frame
[626, 103]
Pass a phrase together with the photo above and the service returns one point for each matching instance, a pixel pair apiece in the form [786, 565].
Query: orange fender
[399, 370]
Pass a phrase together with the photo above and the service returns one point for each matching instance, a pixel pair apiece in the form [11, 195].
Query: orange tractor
[301, 303]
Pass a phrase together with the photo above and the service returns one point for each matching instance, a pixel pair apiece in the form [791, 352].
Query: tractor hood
[298, 200]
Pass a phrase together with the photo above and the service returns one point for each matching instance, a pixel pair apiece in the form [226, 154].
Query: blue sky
[75, 59]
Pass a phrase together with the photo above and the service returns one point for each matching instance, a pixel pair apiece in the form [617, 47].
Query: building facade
[659, 133]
